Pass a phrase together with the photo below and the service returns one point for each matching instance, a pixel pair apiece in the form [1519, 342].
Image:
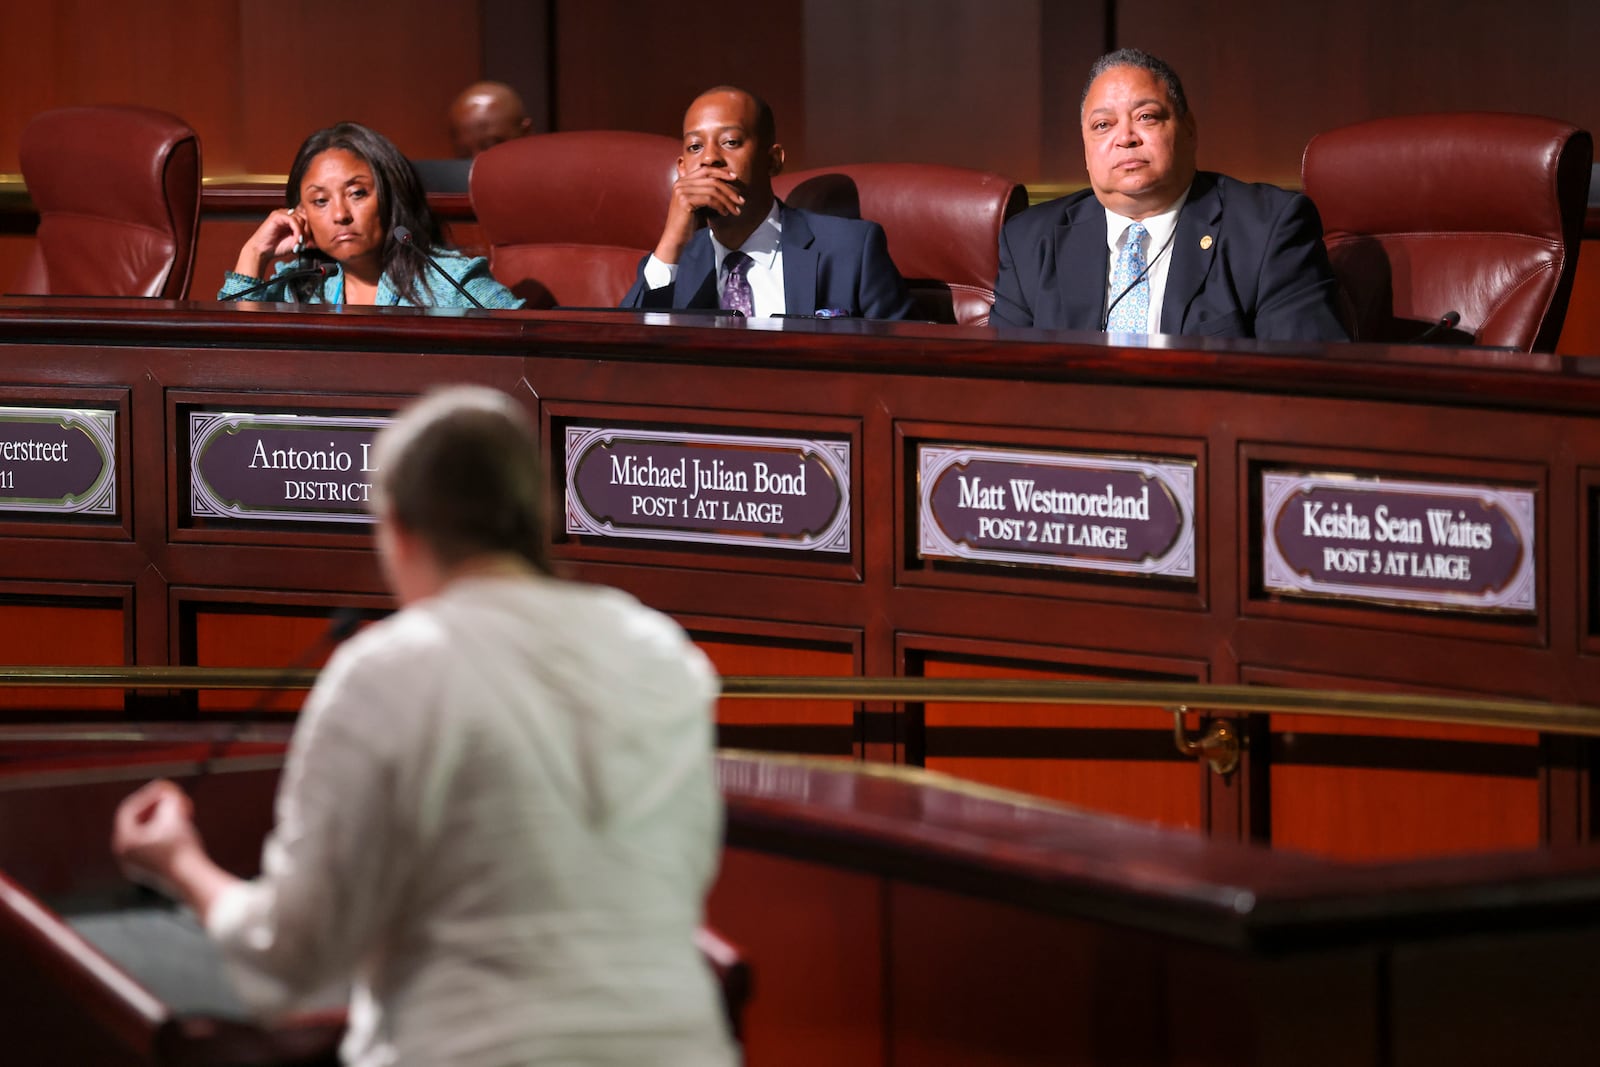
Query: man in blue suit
[756, 255]
[1155, 246]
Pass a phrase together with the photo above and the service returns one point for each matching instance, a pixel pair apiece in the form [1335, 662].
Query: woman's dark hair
[460, 470]
[400, 199]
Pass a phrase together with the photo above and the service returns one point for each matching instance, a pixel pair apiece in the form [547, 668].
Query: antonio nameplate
[61, 460]
[1083, 511]
[1440, 544]
[708, 488]
[281, 467]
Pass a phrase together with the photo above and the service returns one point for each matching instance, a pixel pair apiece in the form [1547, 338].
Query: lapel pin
[1205, 242]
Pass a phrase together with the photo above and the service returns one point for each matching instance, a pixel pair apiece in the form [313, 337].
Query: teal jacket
[472, 272]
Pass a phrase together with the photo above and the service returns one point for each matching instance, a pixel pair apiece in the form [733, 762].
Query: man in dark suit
[756, 255]
[1155, 246]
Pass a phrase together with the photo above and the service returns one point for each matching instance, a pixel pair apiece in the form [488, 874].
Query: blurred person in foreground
[348, 191]
[498, 816]
[486, 114]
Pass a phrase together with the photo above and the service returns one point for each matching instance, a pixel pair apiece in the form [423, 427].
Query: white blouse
[499, 819]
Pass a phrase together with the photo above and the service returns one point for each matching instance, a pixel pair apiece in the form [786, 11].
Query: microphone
[403, 235]
[341, 624]
[1448, 321]
[316, 270]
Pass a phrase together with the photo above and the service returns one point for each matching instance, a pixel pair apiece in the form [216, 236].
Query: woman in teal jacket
[349, 192]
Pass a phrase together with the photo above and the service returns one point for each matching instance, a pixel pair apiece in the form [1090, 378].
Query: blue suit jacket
[1263, 274]
[828, 262]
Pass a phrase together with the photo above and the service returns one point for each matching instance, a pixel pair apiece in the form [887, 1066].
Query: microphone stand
[319, 270]
[341, 624]
[403, 235]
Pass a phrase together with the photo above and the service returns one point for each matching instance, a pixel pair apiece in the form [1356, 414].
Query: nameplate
[1083, 511]
[1439, 544]
[708, 489]
[61, 460]
[281, 467]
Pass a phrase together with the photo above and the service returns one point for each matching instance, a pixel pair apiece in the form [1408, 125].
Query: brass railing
[1219, 745]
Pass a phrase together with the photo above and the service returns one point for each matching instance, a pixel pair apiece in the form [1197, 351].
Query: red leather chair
[118, 195]
[1476, 213]
[568, 216]
[943, 225]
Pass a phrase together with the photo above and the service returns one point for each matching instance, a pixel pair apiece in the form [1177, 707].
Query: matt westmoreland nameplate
[709, 488]
[1078, 510]
[60, 460]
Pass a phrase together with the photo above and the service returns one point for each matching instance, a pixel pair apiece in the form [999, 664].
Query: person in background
[499, 815]
[756, 255]
[486, 114]
[348, 192]
[1157, 246]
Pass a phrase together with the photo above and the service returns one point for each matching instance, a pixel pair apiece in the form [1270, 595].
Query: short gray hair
[460, 469]
[1134, 57]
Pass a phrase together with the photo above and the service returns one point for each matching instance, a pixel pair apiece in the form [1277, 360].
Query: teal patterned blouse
[472, 272]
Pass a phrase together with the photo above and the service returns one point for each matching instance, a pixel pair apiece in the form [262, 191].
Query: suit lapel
[1082, 260]
[696, 285]
[1194, 248]
[799, 263]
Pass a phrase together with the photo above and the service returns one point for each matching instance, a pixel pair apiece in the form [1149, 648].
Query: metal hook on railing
[1219, 745]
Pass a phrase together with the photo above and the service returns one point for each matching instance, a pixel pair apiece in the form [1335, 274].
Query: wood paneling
[40, 632]
[1100, 774]
[253, 80]
[1580, 336]
[948, 81]
[813, 937]
[633, 66]
[1371, 789]
[1454, 415]
[176, 55]
[993, 86]
[1263, 78]
[239, 637]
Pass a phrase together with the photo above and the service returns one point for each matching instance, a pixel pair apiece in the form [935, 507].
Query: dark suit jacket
[1264, 274]
[828, 262]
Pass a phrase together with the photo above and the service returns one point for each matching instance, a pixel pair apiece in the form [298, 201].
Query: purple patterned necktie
[736, 291]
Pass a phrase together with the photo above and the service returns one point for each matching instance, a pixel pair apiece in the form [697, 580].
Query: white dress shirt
[1157, 252]
[499, 818]
[765, 272]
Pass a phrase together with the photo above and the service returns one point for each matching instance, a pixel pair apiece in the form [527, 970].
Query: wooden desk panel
[1456, 415]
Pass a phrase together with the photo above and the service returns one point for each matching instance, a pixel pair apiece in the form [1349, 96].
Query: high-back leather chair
[942, 223]
[118, 195]
[568, 216]
[1476, 213]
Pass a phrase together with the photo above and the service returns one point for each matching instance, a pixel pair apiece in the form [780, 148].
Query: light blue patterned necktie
[1132, 313]
[736, 295]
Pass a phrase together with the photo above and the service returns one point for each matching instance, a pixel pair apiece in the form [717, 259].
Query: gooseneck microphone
[341, 624]
[318, 270]
[403, 235]
[1448, 321]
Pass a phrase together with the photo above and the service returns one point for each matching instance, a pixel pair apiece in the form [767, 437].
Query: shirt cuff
[234, 282]
[659, 275]
[233, 925]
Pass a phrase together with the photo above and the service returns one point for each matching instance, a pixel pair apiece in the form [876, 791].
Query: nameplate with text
[1438, 544]
[708, 488]
[1084, 511]
[61, 460]
[281, 467]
